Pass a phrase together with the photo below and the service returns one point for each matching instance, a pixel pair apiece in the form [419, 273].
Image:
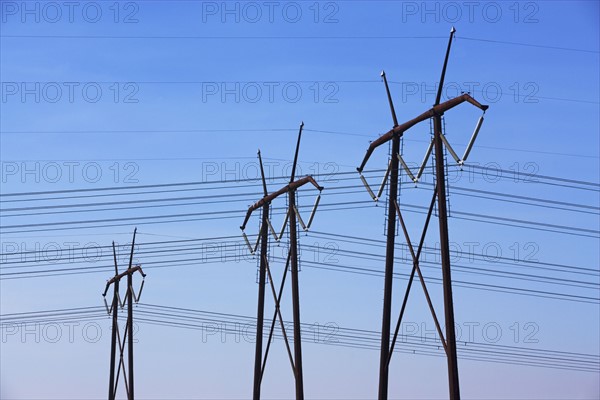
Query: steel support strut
[389, 272]
[389, 252]
[277, 313]
[296, 299]
[115, 327]
[130, 337]
[440, 178]
[130, 318]
[113, 342]
[260, 314]
[295, 290]
[445, 255]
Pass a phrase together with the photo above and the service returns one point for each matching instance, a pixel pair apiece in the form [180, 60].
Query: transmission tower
[264, 270]
[116, 339]
[437, 143]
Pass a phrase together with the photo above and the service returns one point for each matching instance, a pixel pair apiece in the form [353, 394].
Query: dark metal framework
[116, 339]
[439, 140]
[264, 270]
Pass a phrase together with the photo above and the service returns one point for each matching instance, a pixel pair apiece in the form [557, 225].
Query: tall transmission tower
[264, 270]
[438, 142]
[130, 297]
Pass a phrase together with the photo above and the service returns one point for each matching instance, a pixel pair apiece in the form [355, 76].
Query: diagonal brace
[416, 266]
[412, 275]
[277, 302]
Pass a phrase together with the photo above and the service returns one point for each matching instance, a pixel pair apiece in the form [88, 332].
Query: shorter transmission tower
[292, 258]
[116, 339]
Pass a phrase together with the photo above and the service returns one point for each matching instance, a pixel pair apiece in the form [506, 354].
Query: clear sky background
[101, 98]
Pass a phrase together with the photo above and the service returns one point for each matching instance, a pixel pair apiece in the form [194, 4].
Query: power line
[530, 264]
[211, 37]
[206, 259]
[546, 203]
[506, 174]
[177, 317]
[177, 246]
[334, 206]
[138, 82]
[314, 37]
[540, 46]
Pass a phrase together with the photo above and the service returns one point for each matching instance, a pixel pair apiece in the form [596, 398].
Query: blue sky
[120, 95]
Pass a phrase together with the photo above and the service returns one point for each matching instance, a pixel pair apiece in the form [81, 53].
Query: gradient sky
[120, 94]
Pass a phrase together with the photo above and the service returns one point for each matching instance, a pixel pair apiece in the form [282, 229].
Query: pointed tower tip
[382, 74]
[302, 123]
[453, 30]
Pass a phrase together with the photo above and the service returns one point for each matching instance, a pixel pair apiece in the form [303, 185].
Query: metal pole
[113, 342]
[264, 236]
[438, 97]
[130, 333]
[295, 298]
[293, 259]
[115, 327]
[445, 253]
[453, 385]
[389, 271]
[296, 153]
